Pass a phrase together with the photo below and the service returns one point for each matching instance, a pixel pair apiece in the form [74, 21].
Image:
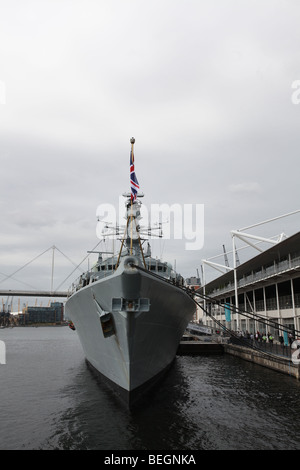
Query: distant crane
[225, 257]
[198, 277]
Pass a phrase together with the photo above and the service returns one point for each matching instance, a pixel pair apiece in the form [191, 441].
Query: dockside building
[43, 315]
[267, 285]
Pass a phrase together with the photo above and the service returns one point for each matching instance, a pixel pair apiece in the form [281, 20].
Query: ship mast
[132, 215]
[132, 141]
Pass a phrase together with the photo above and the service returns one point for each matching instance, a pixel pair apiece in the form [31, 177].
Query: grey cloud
[204, 87]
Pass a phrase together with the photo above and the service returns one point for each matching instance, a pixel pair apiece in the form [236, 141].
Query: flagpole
[132, 141]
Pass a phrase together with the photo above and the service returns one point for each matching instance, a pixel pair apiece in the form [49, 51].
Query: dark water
[49, 399]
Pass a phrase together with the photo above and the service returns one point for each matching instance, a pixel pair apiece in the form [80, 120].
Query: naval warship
[129, 310]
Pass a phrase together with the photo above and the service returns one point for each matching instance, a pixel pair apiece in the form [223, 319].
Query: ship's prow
[130, 323]
[130, 398]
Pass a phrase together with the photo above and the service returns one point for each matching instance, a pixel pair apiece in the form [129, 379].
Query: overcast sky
[205, 87]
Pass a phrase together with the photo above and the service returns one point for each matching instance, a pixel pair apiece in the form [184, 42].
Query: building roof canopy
[276, 253]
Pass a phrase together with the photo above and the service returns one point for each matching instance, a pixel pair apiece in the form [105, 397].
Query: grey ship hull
[146, 320]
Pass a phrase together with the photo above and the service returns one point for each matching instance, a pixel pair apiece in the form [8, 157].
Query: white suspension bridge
[64, 293]
[57, 292]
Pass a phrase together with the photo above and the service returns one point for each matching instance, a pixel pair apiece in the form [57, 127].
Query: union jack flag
[133, 179]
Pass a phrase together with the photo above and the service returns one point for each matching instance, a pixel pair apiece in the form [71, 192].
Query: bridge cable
[17, 280]
[78, 265]
[26, 264]
[72, 262]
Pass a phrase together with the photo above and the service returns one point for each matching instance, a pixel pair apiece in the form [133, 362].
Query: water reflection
[204, 403]
[97, 418]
